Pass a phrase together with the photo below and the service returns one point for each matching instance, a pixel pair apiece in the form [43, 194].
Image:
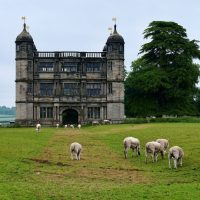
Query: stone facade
[69, 87]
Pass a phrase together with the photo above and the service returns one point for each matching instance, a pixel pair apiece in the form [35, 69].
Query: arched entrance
[70, 116]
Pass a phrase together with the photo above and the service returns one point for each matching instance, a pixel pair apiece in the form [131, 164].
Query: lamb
[79, 126]
[133, 143]
[95, 123]
[164, 143]
[38, 128]
[65, 126]
[57, 125]
[177, 154]
[153, 148]
[75, 150]
[107, 121]
[71, 126]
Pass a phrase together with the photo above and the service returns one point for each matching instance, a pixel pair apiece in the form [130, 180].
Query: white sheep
[75, 150]
[177, 154]
[95, 123]
[57, 125]
[133, 143]
[107, 121]
[153, 148]
[71, 126]
[38, 128]
[164, 143]
[79, 126]
[65, 126]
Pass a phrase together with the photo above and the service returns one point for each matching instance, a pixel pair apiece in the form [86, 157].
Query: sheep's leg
[78, 155]
[181, 162]
[175, 163]
[137, 151]
[153, 158]
[169, 160]
[125, 152]
[156, 157]
[133, 152]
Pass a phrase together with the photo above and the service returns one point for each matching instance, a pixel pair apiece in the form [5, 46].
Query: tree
[163, 80]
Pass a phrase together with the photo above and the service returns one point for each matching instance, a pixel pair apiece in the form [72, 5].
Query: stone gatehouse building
[69, 86]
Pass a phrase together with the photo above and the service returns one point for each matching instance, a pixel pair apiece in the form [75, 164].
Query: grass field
[38, 166]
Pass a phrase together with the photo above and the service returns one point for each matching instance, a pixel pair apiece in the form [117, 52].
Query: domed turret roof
[105, 48]
[24, 36]
[115, 37]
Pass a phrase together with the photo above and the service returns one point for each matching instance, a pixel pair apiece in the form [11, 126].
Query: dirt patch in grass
[98, 161]
[116, 175]
[40, 160]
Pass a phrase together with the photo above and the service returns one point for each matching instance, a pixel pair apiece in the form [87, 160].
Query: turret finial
[24, 19]
[115, 26]
[114, 19]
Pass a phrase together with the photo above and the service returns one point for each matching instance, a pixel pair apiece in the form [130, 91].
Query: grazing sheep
[177, 154]
[57, 125]
[38, 128]
[164, 143]
[133, 143]
[153, 148]
[65, 126]
[79, 126]
[95, 123]
[75, 150]
[107, 121]
[71, 126]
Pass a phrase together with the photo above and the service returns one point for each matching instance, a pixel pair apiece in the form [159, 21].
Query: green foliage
[38, 166]
[163, 79]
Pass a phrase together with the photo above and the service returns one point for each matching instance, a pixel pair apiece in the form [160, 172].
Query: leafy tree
[163, 80]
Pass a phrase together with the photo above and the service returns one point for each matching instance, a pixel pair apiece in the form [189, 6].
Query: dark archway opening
[70, 116]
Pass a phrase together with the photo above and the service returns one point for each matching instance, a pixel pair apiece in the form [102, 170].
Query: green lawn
[38, 166]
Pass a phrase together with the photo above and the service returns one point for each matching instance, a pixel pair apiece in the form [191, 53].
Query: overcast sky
[82, 25]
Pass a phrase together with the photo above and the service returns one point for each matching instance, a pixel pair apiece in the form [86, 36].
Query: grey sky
[82, 25]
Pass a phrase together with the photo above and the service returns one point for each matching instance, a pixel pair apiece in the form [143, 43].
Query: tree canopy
[163, 80]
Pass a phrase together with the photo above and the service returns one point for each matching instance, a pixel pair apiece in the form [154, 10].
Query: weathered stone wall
[115, 112]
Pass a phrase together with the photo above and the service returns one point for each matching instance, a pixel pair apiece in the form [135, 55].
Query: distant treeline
[7, 111]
